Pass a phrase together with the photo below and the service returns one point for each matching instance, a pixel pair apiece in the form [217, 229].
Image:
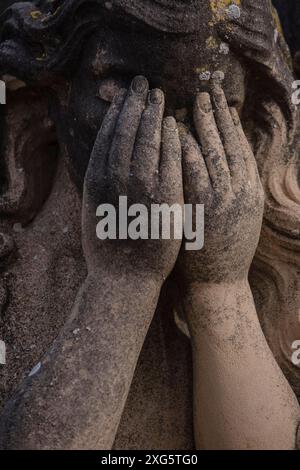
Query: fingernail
[219, 99]
[139, 84]
[156, 96]
[203, 102]
[170, 123]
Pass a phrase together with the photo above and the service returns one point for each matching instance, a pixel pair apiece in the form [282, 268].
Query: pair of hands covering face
[150, 159]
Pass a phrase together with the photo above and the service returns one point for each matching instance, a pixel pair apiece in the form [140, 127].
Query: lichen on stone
[35, 14]
[211, 43]
[219, 7]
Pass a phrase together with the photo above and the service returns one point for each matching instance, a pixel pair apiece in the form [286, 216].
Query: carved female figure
[81, 127]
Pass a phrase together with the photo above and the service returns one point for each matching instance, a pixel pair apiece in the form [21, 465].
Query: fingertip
[218, 96]
[203, 103]
[140, 85]
[156, 97]
[170, 123]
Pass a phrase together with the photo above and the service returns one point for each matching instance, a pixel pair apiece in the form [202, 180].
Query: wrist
[126, 286]
[114, 271]
[122, 305]
[215, 307]
[214, 292]
[123, 279]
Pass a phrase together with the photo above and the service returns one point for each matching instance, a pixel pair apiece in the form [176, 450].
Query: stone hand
[219, 171]
[137, 154]
[231, 357]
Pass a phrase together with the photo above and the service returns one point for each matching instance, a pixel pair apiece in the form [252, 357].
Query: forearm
[77, 397]
[241, 398]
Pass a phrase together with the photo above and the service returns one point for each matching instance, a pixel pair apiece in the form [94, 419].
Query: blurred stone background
[289, 12]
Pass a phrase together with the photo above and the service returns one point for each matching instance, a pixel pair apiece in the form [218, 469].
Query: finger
[98, 162]
[250, 162]
[230, 139]
[170, 170]
[196, 181]
[126, 130]
[145, 163]
[211, 144]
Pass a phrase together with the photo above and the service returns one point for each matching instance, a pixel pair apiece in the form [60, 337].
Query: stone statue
[145, 345]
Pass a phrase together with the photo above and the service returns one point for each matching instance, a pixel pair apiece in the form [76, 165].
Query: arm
[76, 397]
[275, 272]
[241, 398]
[75, 400]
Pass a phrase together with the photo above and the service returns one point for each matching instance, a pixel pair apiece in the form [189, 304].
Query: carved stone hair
[43, 38]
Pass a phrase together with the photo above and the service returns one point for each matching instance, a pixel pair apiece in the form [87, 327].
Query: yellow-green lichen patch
[211, 43]
[279, 31]
[218, 8]
[201, 69]
[277, 21]
[35, 14]
[43, 57]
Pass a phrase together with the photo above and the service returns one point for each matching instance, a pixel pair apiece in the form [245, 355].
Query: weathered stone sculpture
[70, 59]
